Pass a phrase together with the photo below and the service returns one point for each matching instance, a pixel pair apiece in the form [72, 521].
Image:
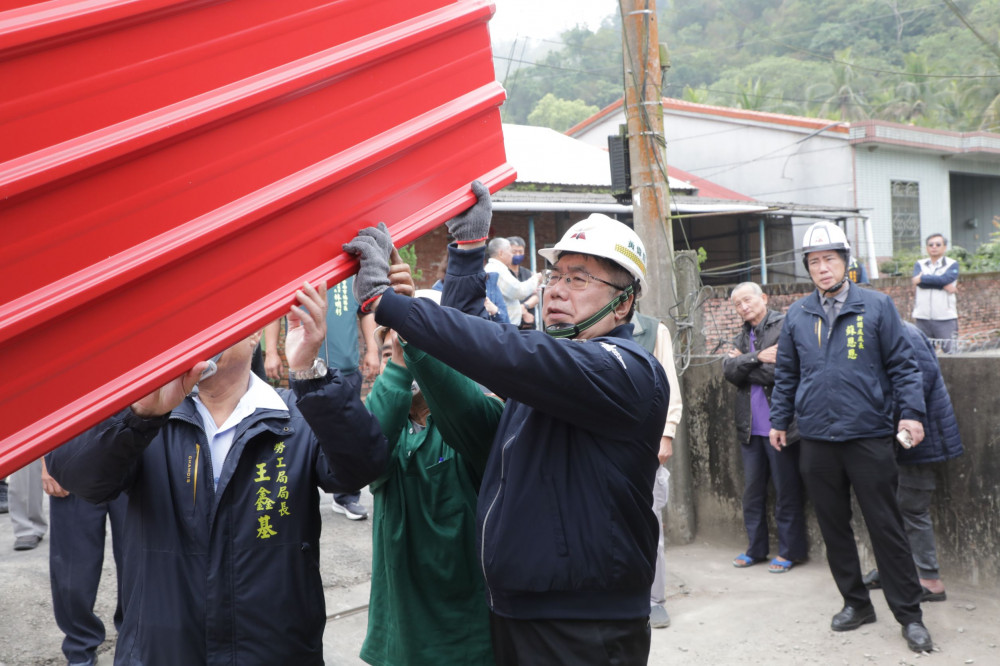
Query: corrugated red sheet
[171, 171]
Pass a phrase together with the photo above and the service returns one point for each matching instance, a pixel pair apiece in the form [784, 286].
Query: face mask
[517, 259]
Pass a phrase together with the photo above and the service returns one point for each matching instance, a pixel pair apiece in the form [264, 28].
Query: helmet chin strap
[573, 330]
[835, 288]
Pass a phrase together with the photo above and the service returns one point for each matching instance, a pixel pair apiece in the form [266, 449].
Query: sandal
[933, 596]
[780, 566]
[742, 561]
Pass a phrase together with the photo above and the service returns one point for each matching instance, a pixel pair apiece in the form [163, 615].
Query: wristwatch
[317, 370]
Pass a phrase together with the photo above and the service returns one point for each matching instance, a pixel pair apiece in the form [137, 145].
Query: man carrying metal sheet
[566, 533]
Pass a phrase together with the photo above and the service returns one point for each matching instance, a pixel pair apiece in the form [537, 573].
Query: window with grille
[905, 216]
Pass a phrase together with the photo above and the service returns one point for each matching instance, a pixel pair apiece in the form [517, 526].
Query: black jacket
[745, 370]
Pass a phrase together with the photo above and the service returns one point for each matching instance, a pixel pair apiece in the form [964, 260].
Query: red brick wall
[978, 305]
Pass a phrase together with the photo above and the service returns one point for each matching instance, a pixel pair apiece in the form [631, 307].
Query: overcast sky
[546, 18]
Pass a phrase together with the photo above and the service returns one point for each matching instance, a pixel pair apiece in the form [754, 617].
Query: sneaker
[29, 542]
[353, 510]
[658, 618]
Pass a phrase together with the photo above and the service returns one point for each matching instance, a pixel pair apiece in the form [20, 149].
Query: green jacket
[427, 602]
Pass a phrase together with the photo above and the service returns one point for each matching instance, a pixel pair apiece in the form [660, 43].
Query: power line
[555, 67]
[800, 189]
[722, 168]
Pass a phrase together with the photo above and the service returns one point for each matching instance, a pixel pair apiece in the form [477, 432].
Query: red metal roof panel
[176, 169]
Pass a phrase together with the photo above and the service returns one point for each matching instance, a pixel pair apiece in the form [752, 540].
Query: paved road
[721, 615]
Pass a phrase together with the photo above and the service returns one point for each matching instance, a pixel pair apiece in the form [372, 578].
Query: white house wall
[875, 172]
[763, 162]
[876, 169]
[597, 133]
[768, 163]
[785, 159]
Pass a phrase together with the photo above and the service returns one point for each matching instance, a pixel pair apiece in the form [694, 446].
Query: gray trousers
[916, 486]
[940, 329]
[24, 497]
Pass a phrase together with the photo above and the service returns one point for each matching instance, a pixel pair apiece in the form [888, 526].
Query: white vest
[935, 304]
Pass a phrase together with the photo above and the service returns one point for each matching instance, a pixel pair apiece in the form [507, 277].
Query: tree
[754, 95]
[560, 114]
[587, 67]
[845, 99]
[914, 97]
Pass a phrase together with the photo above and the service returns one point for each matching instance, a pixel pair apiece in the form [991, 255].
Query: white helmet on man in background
[602, 236]
[825, 236]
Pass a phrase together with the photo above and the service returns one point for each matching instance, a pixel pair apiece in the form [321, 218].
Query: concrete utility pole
[647, 150]
[651, 215]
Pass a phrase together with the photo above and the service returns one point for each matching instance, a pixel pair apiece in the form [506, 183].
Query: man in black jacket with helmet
[843, 359]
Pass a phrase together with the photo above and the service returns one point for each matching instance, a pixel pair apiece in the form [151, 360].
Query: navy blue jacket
[565, 525]
[941, 438]
[228, 575]
[841, 383]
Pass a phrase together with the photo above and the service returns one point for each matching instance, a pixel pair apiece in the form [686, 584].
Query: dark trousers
[762, 462]
[576, 642]
[830, 469]
[76, 556]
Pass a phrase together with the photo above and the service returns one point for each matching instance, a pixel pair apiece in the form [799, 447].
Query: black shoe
[851, 618]
[872, 580]
[917, 637]
[927, 595]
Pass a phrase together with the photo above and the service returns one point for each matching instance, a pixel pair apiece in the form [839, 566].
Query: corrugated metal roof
[546, 157]
[171, 171]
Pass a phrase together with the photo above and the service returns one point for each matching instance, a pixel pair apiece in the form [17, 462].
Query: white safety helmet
[602, 236]
[825, 236]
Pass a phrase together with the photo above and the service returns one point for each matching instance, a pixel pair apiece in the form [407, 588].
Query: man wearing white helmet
[566, 535]
[842, 357]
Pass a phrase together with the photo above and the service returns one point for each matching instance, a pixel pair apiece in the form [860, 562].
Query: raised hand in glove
[473, 225]
[374, 247]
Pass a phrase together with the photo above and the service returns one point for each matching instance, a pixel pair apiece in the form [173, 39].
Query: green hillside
[929, 63]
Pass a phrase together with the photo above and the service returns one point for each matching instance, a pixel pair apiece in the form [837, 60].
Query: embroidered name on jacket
[855, 338]
[271, 498]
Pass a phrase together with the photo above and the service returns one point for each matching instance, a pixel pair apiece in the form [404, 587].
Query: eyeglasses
[935, 244]
[576, 281]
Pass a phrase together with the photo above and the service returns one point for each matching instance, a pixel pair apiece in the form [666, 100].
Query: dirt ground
[721, 615]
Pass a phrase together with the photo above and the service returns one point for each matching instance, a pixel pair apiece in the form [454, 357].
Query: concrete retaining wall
[966, 508]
